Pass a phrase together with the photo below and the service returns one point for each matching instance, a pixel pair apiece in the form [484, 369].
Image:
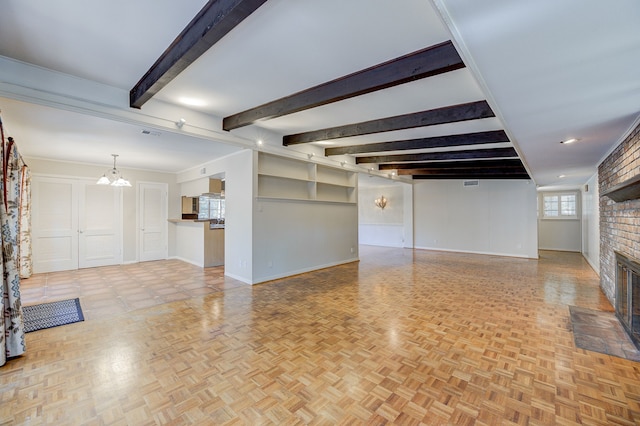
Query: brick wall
[619, 222]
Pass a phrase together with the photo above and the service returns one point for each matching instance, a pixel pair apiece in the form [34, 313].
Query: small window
[559, 206]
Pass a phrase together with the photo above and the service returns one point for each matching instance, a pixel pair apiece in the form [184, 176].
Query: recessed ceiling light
[192, 101]
[562, 176]
[568, 141]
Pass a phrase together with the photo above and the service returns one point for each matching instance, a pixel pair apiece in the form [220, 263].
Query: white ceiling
[51, 133]
[550, 70]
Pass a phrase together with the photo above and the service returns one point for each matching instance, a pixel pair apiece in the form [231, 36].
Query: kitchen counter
[215, 225]
[200, 241]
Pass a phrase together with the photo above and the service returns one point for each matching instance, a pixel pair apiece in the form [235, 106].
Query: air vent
[150, 132]
[469, 183]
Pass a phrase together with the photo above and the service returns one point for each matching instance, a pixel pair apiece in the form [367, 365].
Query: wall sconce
[381, 202]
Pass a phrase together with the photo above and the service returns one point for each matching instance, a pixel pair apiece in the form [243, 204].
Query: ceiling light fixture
[381, 202]
[568, 141]
[192, 102]
[180, 123]
[562, 176]
[113, 176]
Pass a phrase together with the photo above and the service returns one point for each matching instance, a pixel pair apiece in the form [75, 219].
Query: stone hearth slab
[601, 331]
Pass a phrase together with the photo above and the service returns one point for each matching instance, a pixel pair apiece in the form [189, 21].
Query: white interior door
[75, 224]
[153, 221]
[54, 225]
[99, 235]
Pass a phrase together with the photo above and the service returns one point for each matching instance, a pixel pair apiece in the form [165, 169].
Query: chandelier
[381, 202]
[113, 176]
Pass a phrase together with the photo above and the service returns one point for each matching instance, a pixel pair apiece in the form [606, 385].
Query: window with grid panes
[559, 206]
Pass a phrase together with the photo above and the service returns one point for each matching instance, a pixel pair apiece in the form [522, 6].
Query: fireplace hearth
[628, 295]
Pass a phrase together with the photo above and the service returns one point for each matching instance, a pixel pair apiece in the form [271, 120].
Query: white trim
[486, 253]
[558, 194]
[239, 278]
[191, 262]
[596, 268]
[622, 138]
[300, 271]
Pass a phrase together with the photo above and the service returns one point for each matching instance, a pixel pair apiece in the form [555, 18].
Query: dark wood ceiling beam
[495, 136]
[214, 21]
[438, 156]
[451, 114]
[470, 171]
[463, 164]
[423, 63]
[475, 176]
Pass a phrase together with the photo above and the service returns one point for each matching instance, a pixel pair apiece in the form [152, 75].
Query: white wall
[591, 223]
[383, 227]
[268, 239]
[560, 234]
[408, 215]
[496, 217]
[190, 242]
[292, 237]
[129, 201]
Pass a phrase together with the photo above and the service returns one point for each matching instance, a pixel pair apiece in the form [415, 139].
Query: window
[559, 206]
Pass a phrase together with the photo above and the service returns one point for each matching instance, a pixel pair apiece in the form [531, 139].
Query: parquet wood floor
[110, 290]
[402, 337]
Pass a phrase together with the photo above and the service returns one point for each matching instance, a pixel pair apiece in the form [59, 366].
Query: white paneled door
[75, 224]
[153, 221]
[100, 225]
[54, 224]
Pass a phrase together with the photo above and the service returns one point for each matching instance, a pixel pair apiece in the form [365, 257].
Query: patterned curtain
[12, 341]
[24, 252]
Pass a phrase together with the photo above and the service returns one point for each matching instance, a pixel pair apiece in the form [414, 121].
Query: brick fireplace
[628, 296]
[619, 186]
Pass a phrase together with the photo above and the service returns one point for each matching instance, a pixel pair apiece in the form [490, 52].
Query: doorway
[152, 210]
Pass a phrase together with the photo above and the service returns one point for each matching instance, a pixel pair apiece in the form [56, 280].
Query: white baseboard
[596, 268]
[303, 270]
[486, 253]
[239, 278]
[188, 261]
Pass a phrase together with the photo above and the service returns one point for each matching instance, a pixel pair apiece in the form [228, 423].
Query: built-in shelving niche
[290, 179]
